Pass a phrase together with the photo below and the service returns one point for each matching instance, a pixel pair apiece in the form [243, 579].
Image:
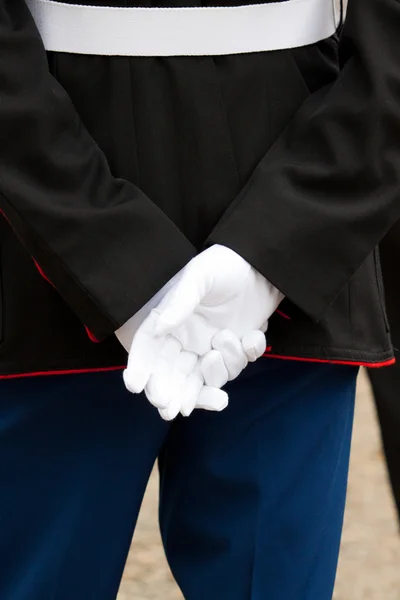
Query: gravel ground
[369, 566]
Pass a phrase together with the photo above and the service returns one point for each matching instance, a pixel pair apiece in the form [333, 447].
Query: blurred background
[369, 566]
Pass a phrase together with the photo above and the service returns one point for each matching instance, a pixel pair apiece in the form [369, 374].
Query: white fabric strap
[199, 31]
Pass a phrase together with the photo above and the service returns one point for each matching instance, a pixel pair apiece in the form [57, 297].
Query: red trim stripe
[62, 372]
[282, 314]
[377, 365]
[91, 336]
[121, 368]
[42, 273]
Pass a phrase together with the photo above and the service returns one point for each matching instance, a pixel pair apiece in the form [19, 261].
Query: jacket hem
[337, 356]
[47, 373]
[358, 363]
[377, 361]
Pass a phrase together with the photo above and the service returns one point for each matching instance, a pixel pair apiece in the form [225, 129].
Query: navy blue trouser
[251, 502]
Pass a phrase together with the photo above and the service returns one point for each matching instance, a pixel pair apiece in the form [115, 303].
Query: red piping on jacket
[66, 372]
[90, 335]
[282, 314]
[108, 369]
[42, 273]
[354, 363]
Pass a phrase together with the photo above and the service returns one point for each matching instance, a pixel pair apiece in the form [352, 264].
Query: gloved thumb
[254, 344]
[212, 399]
[180, 303]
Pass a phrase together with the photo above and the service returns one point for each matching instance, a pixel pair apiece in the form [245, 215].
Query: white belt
[195, 31]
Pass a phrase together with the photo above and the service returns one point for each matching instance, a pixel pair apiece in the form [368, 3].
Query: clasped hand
[202, 334]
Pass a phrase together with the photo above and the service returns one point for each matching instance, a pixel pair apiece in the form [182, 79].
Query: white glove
[181, 381]
[127, 331]
[216, 290]
[230, 356]
[177, 384]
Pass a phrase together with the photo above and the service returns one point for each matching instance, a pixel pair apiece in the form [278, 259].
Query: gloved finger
[232, 352]
[190, 392]
[145, 350]
[212, 399]
[163, 384]
[197, 395]
[254, 344]
[214, 370]
[168, 384]
[180, 303]
[172, 410]
[187, 362]
[159, 387]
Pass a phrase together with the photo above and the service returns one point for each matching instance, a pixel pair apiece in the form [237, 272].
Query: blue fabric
[251, 498]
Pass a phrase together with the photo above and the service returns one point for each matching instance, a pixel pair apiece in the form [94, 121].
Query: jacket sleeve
[101, 242]
[329, 188]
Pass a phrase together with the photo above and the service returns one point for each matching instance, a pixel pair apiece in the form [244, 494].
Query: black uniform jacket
[115, 172]
[390, 256]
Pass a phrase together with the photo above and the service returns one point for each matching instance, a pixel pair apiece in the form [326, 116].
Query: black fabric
[386, 382]
[167, 150]
[327, 190]
[81, 224]
[390, 255]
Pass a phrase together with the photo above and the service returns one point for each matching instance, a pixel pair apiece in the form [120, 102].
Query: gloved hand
[216, 290]
[126, 333]
[177, 384]
[182, 381]
[230, 356]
